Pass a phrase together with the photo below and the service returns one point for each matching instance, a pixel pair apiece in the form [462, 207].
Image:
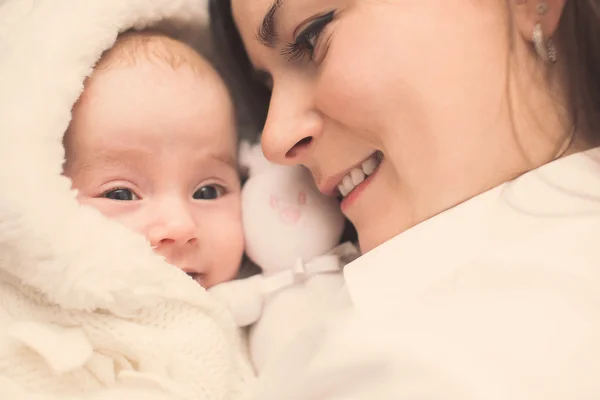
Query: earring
[544, 48]
[542, 8]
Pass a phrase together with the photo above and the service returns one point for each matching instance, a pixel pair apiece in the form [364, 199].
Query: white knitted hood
[70, 253]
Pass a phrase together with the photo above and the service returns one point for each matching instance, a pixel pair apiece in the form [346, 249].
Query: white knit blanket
[87, 310]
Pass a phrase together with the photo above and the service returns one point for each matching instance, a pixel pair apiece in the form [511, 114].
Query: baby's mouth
[358, 174]
[197, 276]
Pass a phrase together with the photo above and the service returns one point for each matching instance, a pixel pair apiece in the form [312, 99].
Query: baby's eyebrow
[227, 159]
[116, 158]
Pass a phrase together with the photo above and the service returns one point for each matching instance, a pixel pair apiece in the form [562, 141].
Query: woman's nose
[292, 127]
[172, 225]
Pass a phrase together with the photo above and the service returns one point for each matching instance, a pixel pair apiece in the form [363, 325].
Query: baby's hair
[151, 45]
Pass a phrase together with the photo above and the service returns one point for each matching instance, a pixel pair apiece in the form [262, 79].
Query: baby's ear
[252, 158]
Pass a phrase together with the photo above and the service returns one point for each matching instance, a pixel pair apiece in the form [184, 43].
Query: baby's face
[154, 148]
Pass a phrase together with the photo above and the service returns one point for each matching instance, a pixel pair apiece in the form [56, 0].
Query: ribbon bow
[301, 271]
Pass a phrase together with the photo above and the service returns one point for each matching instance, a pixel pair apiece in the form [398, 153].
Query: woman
[479, 223]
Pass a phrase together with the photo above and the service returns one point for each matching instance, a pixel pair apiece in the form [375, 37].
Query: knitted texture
[87, 309]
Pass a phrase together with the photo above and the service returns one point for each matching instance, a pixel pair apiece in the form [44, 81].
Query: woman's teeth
[359, 174]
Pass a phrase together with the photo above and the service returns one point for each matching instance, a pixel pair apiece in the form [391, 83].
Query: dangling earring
[544, 48]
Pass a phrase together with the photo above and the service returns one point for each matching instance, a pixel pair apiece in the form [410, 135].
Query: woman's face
[400, 105]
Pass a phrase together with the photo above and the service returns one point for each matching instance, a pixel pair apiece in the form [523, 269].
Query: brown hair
[152, 45]
[578, 43]
[252, 96]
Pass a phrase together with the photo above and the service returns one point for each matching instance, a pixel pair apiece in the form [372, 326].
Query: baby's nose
[172, 228]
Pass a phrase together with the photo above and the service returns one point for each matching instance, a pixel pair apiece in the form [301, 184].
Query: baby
[152, 144]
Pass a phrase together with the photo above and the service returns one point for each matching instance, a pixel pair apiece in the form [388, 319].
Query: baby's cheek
[234, 242]
[126, 213]
[226, 238]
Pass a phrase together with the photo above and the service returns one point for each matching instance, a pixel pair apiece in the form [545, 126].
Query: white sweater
[497, 298]
[87, 310]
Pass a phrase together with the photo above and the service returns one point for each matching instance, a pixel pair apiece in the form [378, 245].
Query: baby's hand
[243, 297]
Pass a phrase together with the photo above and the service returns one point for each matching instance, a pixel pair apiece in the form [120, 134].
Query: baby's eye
[209, 192]
[121, 195]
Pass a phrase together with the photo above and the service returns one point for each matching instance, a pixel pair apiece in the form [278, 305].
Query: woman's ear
[528, 13]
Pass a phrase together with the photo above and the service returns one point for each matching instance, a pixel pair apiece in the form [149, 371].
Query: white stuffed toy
[292, 233]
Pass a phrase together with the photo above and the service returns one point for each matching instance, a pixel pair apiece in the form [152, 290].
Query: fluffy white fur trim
[71, 254]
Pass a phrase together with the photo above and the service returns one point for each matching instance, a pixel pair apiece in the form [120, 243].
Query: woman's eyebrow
[267, 32]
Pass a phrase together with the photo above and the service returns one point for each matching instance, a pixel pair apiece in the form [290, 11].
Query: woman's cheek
[348, 77]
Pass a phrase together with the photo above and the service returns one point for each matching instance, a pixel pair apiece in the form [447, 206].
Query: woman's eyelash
[297, 50]
[306, 40]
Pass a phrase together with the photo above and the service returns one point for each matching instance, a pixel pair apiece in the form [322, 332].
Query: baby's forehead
[118, 100]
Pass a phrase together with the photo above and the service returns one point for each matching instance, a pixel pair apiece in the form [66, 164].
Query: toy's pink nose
[302, 198]
[290, 215]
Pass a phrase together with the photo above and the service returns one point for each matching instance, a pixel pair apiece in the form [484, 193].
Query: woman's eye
[209, 192]
[121, 195]
[311, 40]
[307, 40]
